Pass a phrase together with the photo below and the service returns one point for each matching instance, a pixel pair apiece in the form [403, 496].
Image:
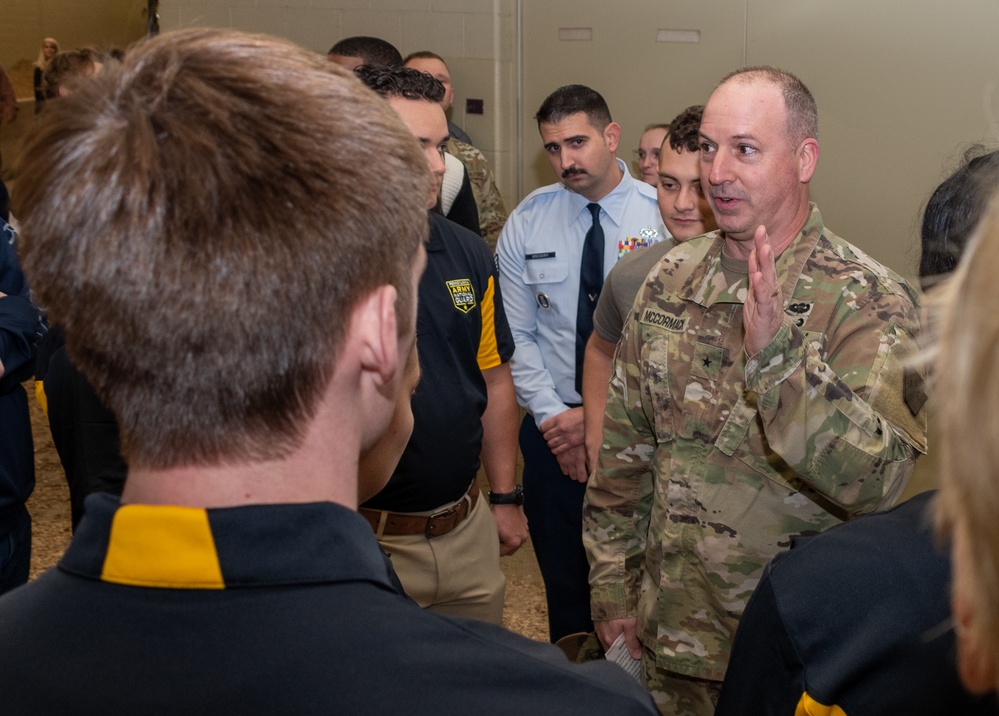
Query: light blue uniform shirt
[539, 253]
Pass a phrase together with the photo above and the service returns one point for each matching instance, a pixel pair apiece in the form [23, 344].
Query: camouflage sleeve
[840, 407]
[619, 493]
[492, 211]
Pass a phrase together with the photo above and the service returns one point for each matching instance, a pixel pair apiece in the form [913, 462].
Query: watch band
[508, 498]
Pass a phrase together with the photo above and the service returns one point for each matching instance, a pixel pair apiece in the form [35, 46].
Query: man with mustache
[553, 253]
[760, 392]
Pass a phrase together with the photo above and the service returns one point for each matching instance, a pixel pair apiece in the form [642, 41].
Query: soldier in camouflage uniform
[492, 212]
[759, 393]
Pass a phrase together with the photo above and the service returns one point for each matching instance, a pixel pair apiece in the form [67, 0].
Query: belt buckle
[442, 515]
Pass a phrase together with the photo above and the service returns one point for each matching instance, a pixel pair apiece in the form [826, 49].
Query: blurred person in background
[8, 102]
[48, 50]
[647, 154]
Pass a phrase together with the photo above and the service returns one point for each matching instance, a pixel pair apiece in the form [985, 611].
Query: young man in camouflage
[760, 392]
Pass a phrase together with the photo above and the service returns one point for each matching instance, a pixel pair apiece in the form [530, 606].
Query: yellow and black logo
[462, 294]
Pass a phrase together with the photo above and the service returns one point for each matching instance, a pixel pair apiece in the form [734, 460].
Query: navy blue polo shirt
[461, 330]
[855, 621]
[264, 609]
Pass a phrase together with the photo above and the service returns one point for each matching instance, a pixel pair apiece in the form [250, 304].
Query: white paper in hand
[619, 654]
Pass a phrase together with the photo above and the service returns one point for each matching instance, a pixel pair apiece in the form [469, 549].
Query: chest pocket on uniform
[538, 271]
[703, 392]
[743, 437]
[555, 309]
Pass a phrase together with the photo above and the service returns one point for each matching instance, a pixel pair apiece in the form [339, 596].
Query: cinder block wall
[475, 37]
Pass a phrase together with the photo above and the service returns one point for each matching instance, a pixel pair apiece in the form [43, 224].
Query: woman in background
[648, 152]
[48, 50]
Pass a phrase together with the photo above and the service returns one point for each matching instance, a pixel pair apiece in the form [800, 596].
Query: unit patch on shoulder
[674, 324]
[462, 294]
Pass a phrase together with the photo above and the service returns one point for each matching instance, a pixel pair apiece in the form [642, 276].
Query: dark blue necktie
[591, 280]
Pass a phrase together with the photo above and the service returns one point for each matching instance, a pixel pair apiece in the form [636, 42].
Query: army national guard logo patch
[462, 294]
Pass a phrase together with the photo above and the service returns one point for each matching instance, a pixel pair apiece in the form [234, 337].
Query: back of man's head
[572, 99]
[67, 68]
[371, 50]
[683, 133]
[401, 82]
[202, 221]
[423, 55]
[802, 113]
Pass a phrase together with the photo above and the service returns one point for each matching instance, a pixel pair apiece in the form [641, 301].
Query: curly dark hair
[404, 82]
[683, 130]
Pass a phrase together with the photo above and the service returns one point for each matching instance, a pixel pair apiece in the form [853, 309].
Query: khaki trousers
[457, 574]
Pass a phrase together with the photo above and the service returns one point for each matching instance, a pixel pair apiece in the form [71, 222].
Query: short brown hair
[802, 112]
[202, 220]
[570, 99]
[424, 55]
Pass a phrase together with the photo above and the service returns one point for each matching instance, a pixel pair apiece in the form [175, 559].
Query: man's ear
[808, 159]
[612, 135]
[377, 337]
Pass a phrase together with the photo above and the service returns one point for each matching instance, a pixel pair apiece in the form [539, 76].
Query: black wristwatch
[508, 498]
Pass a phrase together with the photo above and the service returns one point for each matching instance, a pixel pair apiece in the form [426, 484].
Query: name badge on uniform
[673, 324]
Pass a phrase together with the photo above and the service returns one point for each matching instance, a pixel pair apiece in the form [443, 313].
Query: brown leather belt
[435, 525]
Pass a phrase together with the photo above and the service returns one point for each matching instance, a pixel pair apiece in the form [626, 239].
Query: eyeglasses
[641, 154]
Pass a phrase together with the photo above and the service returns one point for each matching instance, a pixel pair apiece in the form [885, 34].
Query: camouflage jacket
[711, 462]
[492, 212]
